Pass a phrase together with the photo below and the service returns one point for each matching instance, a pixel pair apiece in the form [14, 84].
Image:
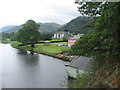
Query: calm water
[23, 70]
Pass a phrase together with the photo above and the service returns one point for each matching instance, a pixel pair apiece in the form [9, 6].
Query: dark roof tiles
[82, 63]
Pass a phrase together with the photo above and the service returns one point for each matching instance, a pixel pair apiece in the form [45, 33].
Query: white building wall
[63, 35]
[73, 72]
[57, 36]
[60, 35]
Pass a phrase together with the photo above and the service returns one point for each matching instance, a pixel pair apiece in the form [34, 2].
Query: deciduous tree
[29, 33]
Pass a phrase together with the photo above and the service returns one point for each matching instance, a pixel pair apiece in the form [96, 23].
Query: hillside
[15, 29]
[77, 25]
[44, 28]
[49, 27]
[7, 28]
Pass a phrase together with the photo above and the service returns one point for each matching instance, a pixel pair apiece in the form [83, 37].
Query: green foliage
[80, 82]
[103, 40]
[5, 37]
[47, 36]
[29, 33]
[102, 43]
[77, 25]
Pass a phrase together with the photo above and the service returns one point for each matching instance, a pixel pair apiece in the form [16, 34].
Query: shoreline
[43, 53]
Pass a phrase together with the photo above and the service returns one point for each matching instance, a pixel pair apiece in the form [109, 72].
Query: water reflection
[21, 52]
[28, 59]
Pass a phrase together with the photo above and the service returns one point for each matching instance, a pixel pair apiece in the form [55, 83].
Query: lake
[20, 69]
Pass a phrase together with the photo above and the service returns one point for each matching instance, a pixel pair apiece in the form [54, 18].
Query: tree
[46, 36]
[103, 41]
[29, 33]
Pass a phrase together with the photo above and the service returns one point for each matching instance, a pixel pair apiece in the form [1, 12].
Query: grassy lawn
[50, 40]
[59, 43]
[42, 48]
[49, 49]
[15, 43]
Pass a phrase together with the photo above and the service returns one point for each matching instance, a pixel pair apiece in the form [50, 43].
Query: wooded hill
[77, 25]
[49, 27]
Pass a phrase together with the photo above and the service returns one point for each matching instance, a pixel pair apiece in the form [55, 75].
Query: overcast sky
[16, 12]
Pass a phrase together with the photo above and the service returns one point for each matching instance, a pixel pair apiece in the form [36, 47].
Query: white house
[79, 66]
[61, 35]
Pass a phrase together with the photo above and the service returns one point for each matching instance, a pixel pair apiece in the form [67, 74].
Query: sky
[16, 12]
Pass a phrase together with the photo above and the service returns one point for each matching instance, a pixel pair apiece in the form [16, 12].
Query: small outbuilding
[79, 66]
[73, 39]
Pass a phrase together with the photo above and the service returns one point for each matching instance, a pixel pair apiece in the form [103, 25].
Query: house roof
[76, 37]
[82, 63]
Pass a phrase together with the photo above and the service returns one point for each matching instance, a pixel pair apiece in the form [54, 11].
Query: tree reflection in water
[28, 58]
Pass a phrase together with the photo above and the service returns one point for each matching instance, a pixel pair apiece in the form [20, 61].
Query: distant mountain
[44, 28]
[77, 25]
[3, 29]
[49, 27]
[15, 29]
